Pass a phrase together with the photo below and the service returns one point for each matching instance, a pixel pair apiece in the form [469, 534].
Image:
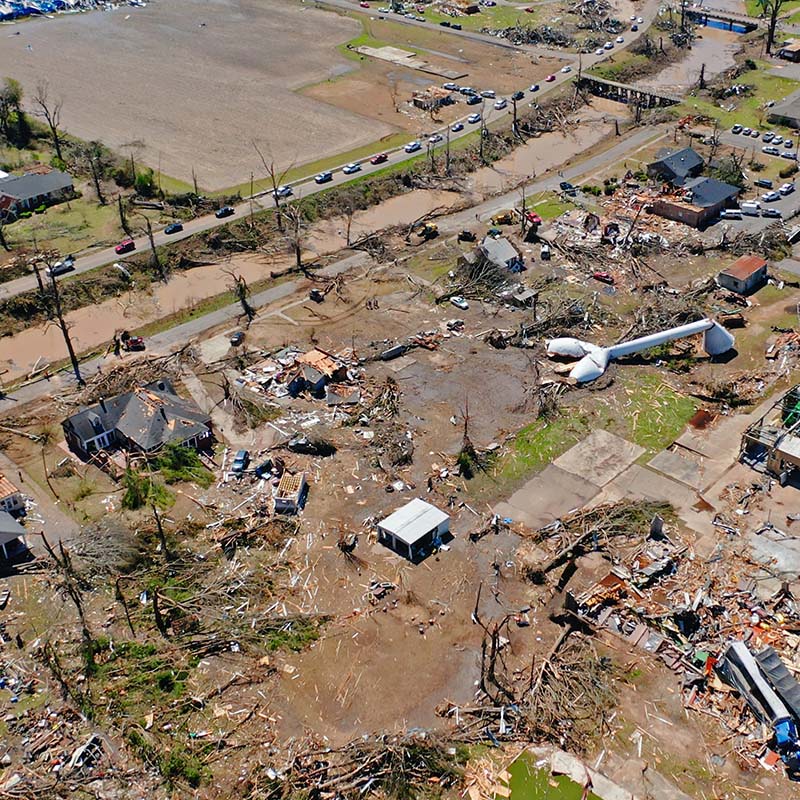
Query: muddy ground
[188, 86]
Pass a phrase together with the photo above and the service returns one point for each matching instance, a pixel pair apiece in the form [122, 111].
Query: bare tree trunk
[123, 219]
[62, 324]
[96, 180]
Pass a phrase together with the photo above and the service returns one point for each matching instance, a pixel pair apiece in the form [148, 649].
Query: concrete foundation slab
[548, 496]
[600, 457]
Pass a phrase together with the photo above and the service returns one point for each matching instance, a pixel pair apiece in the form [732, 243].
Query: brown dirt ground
[370, 90]
[192, 96]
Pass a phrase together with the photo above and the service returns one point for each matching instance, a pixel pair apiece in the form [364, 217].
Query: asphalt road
[179, 335]
[307, 187]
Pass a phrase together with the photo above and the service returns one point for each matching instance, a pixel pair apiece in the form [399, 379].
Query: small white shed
[412, 529]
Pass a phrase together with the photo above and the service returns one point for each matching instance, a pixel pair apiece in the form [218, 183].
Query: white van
[752, 209]
[730, 213]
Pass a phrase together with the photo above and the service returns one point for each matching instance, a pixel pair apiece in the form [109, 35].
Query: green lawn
[612, 69]
[755, 8]
[750, 111]
[71, 227]
[547, 205]
[654, 414]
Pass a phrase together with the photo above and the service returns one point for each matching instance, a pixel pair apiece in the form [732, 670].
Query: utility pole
[447, 154]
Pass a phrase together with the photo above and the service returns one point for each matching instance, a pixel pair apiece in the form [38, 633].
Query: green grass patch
[619, 65]
[547, 205]
[654, 413]
[750, 111]
[755, 9]
[293, 635]
[537, 444]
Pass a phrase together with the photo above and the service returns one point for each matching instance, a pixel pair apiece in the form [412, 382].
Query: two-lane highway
[306, 187]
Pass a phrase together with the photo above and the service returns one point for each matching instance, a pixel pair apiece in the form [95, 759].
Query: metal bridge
[624, 93]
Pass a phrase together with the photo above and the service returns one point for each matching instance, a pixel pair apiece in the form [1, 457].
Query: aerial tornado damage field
[452, 455]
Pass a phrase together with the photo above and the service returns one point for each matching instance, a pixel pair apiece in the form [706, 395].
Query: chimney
[103, 405]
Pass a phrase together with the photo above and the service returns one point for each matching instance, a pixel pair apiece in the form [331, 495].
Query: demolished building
[772, 443]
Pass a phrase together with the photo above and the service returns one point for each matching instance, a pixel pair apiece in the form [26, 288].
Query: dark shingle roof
[680, 163]
[707, 192]
[25, 187]
[150, 416]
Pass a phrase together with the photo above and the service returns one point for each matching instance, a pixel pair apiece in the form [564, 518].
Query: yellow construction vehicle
[503, 218]
[428, 231]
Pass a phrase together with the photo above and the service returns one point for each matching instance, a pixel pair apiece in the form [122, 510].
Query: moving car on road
[771, 212]
[125, 246]
[284, 191]
[323, 177]
[737, 129]
[173, 227]
[412, 147]
[770, 197]
[435, 139]
[473, 118]
[474, 100]
[550, 78]
[566, 68]
[225, 211]
[518, 95]
[500, 104]
[459, 126]
[60, 267]
[351, 168]
[379, 159]
[132, 343]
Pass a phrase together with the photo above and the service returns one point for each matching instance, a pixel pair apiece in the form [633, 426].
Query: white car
[769, 197]
[787, 188]
[620, 39]
[566, 69]
[412, 147]
[639, 20]
[500, 104]
[436, 138]
[284, 191]
[473, 118]
[490, 93]
[351, 168]
[599, 52]
[608, 46]
[459, 302]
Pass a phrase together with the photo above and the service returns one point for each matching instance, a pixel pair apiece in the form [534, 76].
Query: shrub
[787, 172]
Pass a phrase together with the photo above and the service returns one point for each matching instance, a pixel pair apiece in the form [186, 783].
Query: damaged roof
[150, 416]
[321, 361]
[710, 192]
[499, 251]
[7, 489]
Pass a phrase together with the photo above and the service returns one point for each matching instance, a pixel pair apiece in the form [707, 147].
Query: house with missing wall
[143, 421]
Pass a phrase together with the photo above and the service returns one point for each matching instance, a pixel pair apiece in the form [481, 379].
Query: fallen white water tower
[593, 359]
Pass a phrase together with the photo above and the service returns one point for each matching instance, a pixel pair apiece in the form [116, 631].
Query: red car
[133, 343]
[603, 277]
[550, 78]
[364, 4]
[379, 159]
[125, 246]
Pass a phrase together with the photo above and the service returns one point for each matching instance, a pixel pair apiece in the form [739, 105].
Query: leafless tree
[3, 242]
[123, 219]
[94, 157]
[155, 262]
[295, 228]
[56, 308]
[242, 292]
[770, 9]
[49, 109]
[276, 179]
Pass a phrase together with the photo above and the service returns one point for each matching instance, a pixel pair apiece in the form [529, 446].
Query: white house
[412, 529]
[11, 499]
[10, 532]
